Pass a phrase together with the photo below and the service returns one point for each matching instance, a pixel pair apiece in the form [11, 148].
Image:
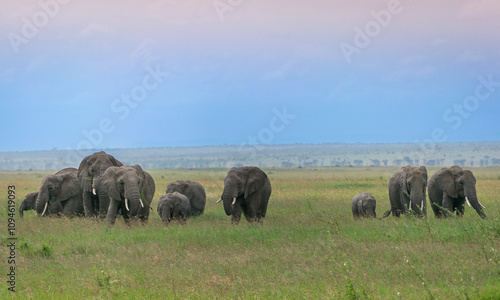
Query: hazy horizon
[93, 75]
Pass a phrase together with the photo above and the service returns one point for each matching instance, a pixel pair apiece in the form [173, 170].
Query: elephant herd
[449, 189]
[103, 187]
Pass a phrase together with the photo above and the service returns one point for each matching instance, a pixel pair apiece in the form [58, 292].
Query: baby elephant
[174, 206]
[363, 205]
[28, 203]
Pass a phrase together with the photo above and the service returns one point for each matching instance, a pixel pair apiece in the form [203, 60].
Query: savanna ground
[309, 246]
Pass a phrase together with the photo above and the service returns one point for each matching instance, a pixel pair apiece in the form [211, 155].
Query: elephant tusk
[93, 191]
[409, 206]
[234, 201]
[220, 199]
[480, 204]
[468, 203]
[126, 204]
[45, 208]
[142, 204]
[422, 205]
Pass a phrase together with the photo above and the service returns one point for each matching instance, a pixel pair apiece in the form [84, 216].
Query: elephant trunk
[228, 199]
[417, 199]
[176, 213]
[22, 208]
[371, 213]
[471, 199]
[134, 202]
[99, 192]
[42, 201]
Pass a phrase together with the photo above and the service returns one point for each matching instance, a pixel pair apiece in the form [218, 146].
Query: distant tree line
[297, 155]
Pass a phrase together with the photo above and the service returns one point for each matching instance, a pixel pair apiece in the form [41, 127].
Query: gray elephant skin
[363, 205]
[28, 203]
[95, 200]
[246, 189]
[407, 192]
[130, 189]
[174, 206]
[450, 188]
[60, 194]
[194, 191]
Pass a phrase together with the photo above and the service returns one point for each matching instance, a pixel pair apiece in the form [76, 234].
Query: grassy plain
[308, 247]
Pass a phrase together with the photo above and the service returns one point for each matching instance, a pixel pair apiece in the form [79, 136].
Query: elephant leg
[55, 209]
[236, 214]
[104, 202]
[394, 198]
[459, 207]
[436, 210]
[112, 211]
[67, 209]
[261, 212]
[405, 203]
[70, 206]
[127, 217]
[144, 215]
[252, 207]
[88, 205]
[447, 208]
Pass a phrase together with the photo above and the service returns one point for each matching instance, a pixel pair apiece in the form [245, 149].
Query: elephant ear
[115, 161]
[69, 186]
[83, 175]
[255, 180]
[469, 174]
[403, 183]
[424, 171]
[108, 181]
[147, 187]
[139, 170]
[446, 182]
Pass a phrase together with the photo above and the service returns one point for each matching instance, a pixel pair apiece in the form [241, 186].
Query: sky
[128, 74]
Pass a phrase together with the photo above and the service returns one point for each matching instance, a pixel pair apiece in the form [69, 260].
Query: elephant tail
[387, 213]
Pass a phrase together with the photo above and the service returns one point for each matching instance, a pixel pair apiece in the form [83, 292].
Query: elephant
[95, 200]
[174, 206]
[28, 203]
[450, 188]
[407, 192]
[193, 191]
[130, 189]
[246, 189]
[60, 194]
[363, 205]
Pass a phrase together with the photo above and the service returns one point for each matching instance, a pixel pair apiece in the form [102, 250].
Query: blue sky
[247, 72]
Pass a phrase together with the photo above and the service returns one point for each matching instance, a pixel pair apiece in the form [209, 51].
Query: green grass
[309, 246]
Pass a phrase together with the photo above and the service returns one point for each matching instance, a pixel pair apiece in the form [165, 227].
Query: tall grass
[309, 246]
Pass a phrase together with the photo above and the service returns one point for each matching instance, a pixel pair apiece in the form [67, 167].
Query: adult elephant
[28, 203]
[60, 194]
[130, 189]
[194, 191]
[363, 205]
[246, 189]
[450, 188]
[407, 191]
[174, 206]
[95, 200]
